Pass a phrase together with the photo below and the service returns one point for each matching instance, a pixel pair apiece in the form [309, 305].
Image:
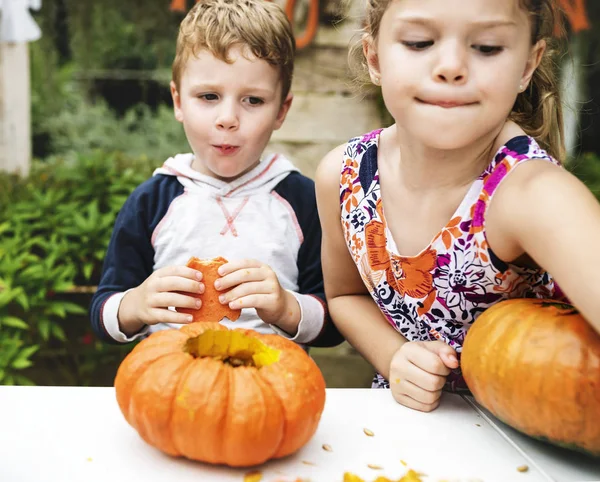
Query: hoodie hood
[271, 170]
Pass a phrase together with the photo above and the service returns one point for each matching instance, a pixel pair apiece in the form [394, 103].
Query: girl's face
[450, 70]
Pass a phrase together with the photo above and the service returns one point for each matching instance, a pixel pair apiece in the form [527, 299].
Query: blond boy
[231, 89]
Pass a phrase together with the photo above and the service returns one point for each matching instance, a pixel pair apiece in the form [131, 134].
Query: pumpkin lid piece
[211, 310]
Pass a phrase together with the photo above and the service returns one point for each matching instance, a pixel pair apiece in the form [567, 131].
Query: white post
[15, 107]
[17, 27]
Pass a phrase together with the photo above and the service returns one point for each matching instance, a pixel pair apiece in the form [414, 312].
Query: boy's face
[229, 111]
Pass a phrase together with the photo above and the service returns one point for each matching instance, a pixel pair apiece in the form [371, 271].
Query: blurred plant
[54, 229]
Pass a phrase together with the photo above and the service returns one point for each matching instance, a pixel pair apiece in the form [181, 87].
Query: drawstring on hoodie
[230, 218]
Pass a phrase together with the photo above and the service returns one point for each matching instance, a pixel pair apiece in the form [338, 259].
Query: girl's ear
[176, 102]
[370, 52]
[535, 57]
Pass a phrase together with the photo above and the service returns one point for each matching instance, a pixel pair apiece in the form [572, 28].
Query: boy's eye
[255, 101]
[420, 45]
[488, 49]
[208, 96]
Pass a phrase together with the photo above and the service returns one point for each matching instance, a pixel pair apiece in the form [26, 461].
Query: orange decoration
[576, 14]
[535, 364]
[234, 397]
[211, 310]
[303, 40]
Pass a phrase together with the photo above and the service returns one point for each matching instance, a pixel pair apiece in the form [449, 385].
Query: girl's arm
[351, 307]
[547, 213]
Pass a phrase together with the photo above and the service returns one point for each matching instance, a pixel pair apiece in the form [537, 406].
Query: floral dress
[437, 294]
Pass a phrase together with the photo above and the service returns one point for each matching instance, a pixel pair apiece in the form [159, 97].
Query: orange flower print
[349, 196]
[349, 172]
[357, 246]
[452, 230]
[379, 258]
[413, 276]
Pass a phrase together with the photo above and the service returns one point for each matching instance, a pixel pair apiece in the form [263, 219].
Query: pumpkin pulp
[232, 348]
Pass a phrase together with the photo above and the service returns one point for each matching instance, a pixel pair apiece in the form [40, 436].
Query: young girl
[461, 203]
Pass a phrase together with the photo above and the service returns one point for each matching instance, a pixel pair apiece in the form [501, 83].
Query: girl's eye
[208, 96]
[255, 101]
[488, 49]
[422, 45]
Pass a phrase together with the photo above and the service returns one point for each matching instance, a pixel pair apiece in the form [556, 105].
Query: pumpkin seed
[374, 466]
[327, 448]
[523, 468]
[404, 463]
[306, 462]
[368, 432]
[254, 476]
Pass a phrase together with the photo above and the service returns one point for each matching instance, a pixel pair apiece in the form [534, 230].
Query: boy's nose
[227, 117]
[451, 66]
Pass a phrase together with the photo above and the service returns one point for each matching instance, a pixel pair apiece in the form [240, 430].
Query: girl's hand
[254, 285]
[148, 303]
[418, 373]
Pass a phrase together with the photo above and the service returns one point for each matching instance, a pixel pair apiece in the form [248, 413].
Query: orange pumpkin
[535, 364]
[211, 309]
[234, 397]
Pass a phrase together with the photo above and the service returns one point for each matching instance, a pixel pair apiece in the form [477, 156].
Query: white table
[78, 434]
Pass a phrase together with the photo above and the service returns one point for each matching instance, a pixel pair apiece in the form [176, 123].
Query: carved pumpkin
[211, 309]
[535, 365]
[234, 397]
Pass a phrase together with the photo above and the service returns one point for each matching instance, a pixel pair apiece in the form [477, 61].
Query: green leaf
[22, 300]
[74, 308]
[14, 322]
[20, 364]
[58, 332]
[44, 329]
[27, 352]
[57, 309]
[88, 268]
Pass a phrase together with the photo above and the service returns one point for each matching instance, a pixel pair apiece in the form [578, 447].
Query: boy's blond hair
[218, 25]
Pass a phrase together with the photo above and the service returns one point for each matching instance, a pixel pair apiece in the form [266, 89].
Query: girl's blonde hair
[538, 110]
[218, 25]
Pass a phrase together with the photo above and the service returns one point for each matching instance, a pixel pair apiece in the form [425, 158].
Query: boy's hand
[418, 373]
[148, 303]
[254, 285]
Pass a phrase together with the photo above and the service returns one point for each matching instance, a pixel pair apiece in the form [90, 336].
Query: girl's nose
[451, 66]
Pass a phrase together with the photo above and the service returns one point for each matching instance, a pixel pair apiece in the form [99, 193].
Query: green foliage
[587, 168]
[54, 229]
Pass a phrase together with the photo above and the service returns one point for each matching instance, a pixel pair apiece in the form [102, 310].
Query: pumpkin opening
[233, 348]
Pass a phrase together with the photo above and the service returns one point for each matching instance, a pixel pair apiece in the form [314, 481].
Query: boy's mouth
[226, 149]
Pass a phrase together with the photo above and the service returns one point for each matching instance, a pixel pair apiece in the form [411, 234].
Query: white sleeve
[110, 320]
[312, 318]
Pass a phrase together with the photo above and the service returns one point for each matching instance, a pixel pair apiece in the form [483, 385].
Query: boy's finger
[182, 271]
[238, 264]
[244, 275]
[168, 316]
[177, 283]
[245, 289]
[178, 300]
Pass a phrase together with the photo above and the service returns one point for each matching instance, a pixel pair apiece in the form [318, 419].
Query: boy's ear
[535, 57]
[176, 102]
[370, 53]
[283, 110]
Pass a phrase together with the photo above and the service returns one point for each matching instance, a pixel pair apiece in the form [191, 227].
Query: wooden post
[15, 108]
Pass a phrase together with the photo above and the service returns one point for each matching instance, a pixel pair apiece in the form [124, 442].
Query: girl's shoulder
[514, 152]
